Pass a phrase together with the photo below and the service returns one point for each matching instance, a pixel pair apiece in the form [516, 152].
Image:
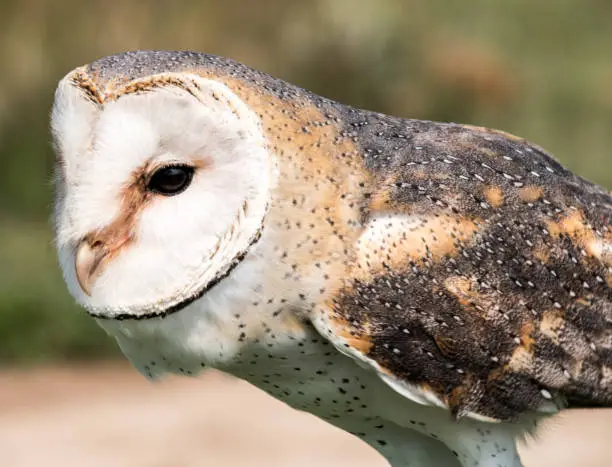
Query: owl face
[162, 187]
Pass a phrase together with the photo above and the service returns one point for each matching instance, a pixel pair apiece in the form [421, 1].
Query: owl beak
[87, 263]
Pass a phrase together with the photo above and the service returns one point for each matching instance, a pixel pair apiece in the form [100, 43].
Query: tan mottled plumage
[464, 266]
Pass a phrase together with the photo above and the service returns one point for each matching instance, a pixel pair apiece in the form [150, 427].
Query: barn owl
[435, 289]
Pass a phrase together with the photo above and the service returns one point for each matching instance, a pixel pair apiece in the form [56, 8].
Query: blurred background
[541, 70]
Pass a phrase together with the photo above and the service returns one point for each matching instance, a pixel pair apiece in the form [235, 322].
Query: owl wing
[482, 278]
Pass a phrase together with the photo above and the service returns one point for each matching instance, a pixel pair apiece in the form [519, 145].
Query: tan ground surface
[110, 416]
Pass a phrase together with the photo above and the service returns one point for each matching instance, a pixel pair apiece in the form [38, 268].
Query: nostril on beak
[88, 257]
[96, 244]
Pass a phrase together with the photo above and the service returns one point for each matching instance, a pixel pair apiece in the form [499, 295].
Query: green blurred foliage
[538, 69]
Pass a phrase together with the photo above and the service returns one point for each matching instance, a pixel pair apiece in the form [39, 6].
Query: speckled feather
[495, 296]
[398, 267]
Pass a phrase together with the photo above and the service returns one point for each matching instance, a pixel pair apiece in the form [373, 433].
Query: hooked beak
[87, 263]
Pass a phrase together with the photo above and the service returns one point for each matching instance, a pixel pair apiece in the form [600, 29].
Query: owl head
[162, 186]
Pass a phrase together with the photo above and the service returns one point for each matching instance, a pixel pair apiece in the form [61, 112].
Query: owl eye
[171, 180]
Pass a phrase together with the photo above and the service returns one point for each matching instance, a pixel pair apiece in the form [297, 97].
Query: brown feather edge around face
[236, 260]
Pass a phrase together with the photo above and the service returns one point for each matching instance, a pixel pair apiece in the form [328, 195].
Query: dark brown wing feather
[518, 310]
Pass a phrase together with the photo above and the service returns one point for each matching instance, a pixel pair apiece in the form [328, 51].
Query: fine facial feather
[464, 265]
[108, 204]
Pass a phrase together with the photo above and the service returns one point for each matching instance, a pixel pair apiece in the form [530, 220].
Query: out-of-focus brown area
[108, 415]
[541, 70]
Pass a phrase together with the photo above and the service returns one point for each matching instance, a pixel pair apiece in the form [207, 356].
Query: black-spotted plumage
[462, 266]
[533, 280]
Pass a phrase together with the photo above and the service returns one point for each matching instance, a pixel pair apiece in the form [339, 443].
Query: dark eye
[171, 180]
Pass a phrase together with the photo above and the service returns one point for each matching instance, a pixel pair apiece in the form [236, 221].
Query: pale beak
[87, 262]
